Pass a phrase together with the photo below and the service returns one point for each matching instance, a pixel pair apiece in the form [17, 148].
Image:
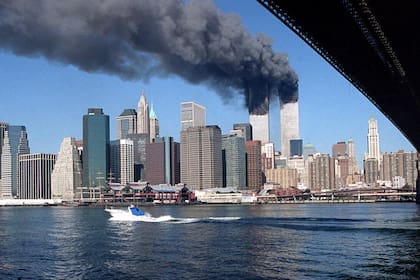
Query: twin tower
[289, 126]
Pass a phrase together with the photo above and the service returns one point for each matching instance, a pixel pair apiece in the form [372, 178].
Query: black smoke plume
[138, 39]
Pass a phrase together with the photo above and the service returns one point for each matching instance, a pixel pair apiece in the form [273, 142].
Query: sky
[50, 97]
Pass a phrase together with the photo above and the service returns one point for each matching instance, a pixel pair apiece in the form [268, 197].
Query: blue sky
[50, 98]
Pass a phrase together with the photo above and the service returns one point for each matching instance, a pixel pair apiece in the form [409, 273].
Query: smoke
[136, 40]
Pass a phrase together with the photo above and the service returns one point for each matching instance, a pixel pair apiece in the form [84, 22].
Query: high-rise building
[122, 161]
[126, 123]
[339, 149]
[308, 149]
[260, 122]
[17, 145]
[234, 164]
[371, 171]
[253, 164]
[143, 121]
[400, 164]
[95, 148]
[163, 161]
[246, 130]
[296, 147]
[201, 157]
[321, 172]
[35, 175]
[66, 177]
[192, 114]
[373, 141]
[284, 176]
[289, 125]
[298, 163]
[267, 156]
[140, 141]
[353, 168]
[154, 125]
[3, 128]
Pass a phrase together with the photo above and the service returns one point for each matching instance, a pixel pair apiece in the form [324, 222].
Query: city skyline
[331, 109]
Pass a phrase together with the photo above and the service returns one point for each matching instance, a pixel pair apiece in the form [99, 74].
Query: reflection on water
[268, 242]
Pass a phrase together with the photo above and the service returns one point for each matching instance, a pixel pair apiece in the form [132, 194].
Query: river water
[298, 241]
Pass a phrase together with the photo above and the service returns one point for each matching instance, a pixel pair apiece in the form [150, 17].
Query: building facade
[371, 171]
[201, 157]
[321, 172]
[140, 140]
[234, 164]
[35, 175]
[126, 123]
[95, 148]
[192, 114]
[399, 164]
[289, 125]
[253, 165]
[143, 121]
[246, 130]
[373, 141]
[66, 177]
[3, 128]
[154, 125]
[122, 161]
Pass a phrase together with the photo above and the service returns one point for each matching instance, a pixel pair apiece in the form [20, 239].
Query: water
[340, 241]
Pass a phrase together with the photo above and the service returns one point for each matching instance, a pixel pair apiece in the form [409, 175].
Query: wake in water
[123, 215]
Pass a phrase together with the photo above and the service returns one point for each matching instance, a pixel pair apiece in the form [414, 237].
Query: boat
[131, 211]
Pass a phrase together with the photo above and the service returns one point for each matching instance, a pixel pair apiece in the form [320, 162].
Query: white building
[6, 171]
[373, 141]
[143, 122]
[289, 125]
[192, 114]
[66, 177]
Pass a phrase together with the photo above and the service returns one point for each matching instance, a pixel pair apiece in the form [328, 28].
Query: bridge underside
[374, 44]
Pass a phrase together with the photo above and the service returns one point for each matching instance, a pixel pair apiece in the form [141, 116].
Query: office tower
[122, 161]
[17, 145]
[66, 177]
[284, 176]
[321, 171]
[371, 171]
[253, 164]
[6, 171]
[201, 157]
[308, 149]
[163, 161]
[267, 156]
[143, 122]
[35, 175]
[260, 122]
[95, 148]
[154, 125]
[289, 125]
[3, 128]
[234, 164]
[373, 141]
[192, 114]
[246, 130]
[353, 168]
[139, 145]
[399, 164]
[296, 147]
[126, 123]
[339, 149]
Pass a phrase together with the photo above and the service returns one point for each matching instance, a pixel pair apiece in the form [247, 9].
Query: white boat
[219, 195]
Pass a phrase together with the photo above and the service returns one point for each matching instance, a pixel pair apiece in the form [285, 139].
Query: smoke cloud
[136, 40]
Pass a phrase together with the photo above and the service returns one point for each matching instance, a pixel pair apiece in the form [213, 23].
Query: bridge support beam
[418, 180]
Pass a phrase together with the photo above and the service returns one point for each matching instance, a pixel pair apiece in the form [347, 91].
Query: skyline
[330, 108]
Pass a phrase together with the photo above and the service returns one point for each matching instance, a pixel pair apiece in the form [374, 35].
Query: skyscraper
[260, 123]
[143, 121]
[126, 123]
[163, 161]
[140, 141]
[321, 172]
[253, 164]
[66, 177]
[373, 141]
[3, 128]
[353, 168]
[35, 175]
[245, 129]
[122, 161]
[154, 125]
[17, 145]
[95, 147]
[339, 149]
[289, 125]
[201, 157]
[296, 147]
[234, 163]
[192, 114]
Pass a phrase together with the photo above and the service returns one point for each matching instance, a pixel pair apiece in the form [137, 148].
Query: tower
[373, 141]
[154, 125]
[289, 125]
[126, 123]
[6, 171]
[234, 164]
[260, 123]
[192, 114]
[201, 157]
[66, 177]
[143, 122]
[3, 128]
[95, 147]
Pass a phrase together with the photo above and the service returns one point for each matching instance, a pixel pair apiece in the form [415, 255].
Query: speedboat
[132, 211]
